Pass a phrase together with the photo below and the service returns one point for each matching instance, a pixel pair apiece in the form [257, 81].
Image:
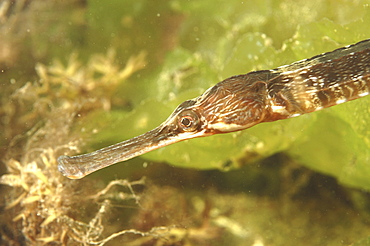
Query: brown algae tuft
[37, 199]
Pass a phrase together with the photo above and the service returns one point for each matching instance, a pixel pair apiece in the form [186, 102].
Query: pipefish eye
[188, 121]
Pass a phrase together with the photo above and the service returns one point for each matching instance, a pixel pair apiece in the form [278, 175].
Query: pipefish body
[242, 101]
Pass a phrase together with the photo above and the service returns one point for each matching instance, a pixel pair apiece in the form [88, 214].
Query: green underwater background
[78, 75]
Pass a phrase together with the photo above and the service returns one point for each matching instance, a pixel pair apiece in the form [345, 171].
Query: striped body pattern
[288, 91]
[323, 81]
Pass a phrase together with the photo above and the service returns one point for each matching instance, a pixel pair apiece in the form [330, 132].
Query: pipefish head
[231, 105]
